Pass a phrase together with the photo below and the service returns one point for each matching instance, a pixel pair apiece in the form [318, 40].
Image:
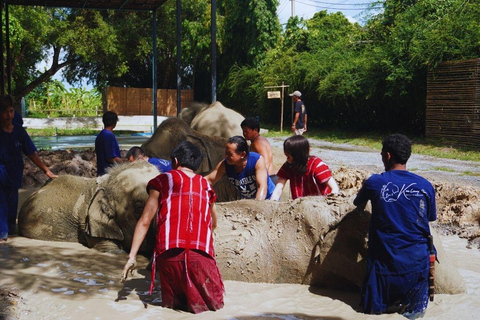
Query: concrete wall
[130, 123]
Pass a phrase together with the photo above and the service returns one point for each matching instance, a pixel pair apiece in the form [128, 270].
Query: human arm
[295, 119]
[116, 160]
[278, 189]
[141, 230]
[305, 123]
[333, 185]
[217, 173]
[214, 216]
[263, 147]
[261, 177]
[39, 163]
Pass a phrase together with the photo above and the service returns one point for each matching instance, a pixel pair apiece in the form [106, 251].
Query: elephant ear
[99, 223]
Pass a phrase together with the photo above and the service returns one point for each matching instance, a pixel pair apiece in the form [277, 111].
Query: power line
[336, 8]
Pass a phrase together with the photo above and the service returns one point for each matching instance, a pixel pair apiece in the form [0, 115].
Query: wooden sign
[273, 94]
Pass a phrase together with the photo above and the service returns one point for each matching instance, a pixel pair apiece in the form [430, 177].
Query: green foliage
[52, 99]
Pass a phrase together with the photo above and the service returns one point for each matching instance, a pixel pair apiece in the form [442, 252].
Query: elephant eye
[138, 208]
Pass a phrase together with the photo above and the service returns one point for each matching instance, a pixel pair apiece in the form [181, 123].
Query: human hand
[128, 268]
[50, 174]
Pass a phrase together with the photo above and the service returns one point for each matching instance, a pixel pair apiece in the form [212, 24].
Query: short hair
[188, 155]
[299, 148]
[399, 146]
[242, 145]
[109, 118]
[6, 101]
[135, 152]
[251, 122]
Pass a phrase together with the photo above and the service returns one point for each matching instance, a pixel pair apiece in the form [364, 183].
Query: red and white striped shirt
[312, 183]
[184, 218]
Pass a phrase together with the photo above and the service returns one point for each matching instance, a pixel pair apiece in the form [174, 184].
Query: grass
[423, 146]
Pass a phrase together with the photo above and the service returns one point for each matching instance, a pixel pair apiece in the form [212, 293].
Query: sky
[352, 9]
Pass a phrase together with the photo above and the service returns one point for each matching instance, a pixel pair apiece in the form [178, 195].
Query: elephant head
[218, 120]
[99, 212]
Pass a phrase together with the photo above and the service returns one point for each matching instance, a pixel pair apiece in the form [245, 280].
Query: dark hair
[251, 122]
[188, 155]
[135, 152]
[6, 101]
[242, 145]
[299, 148]
[399, 146]
[109, 118]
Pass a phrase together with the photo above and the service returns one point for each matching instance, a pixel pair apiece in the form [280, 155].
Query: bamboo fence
[138, 101]
[453, 103]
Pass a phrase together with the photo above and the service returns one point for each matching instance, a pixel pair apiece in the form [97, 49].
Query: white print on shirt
[391, 192]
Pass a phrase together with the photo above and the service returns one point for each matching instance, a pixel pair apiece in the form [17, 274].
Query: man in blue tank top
[398, 252]
[246, 170]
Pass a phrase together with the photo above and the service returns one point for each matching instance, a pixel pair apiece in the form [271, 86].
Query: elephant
[320, 241]
[100, 212]
[173, 131]
[217, 120]
[187, 114]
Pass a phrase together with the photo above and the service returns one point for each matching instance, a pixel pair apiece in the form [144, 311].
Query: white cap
[296, 93]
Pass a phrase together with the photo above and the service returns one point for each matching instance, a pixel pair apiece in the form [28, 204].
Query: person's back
[107, 149]
[398, 254]
[137, 153]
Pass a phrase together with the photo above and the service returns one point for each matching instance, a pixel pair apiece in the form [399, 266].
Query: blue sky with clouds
[352, 9]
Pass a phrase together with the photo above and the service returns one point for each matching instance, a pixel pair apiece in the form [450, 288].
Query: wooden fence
[138, 101]
[453, 103]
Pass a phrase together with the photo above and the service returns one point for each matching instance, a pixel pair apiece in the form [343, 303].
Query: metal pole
[293, 8]
[281, 115]
[154, 67]
[2, 67]
[179, 57]
[9, 57]
[213, 45]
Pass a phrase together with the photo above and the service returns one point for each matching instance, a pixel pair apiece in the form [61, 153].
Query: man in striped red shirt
[189, 276]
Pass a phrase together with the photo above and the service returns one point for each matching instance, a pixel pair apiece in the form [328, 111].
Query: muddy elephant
[218, 120]
[100, 212]
[187, 114]
[173, 131]
[313, 240]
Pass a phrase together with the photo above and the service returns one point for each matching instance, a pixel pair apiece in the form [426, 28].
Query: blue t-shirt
[106, 147]
[162, 164]
[246, 181]
[12, 145]
[402, 205]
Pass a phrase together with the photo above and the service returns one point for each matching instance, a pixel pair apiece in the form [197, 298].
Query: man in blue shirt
[398, 253]
[14, 142]
[137, 153]
[106, 145]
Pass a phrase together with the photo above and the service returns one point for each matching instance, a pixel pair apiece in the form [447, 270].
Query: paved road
[337, 155]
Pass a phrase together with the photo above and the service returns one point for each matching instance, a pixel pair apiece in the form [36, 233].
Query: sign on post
[273, 95]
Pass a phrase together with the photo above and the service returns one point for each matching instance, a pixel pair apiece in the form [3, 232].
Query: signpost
[277, 95]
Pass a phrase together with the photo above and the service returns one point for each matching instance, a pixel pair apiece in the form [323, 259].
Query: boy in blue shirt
[106, 145]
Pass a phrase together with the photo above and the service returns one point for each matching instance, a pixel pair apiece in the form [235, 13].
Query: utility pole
[293, 8]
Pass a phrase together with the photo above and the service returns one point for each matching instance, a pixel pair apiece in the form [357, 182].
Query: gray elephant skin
[173, 131]
[313, 240]
[100, 212]
[213, 120]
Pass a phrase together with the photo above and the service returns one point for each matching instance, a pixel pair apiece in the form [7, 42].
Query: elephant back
[218, 120]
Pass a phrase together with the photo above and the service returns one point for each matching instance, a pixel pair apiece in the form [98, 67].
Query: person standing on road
[398, 255]
[299, 124]
[106, 145]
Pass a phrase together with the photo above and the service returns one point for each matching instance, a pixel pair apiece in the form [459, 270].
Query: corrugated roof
[135, 5]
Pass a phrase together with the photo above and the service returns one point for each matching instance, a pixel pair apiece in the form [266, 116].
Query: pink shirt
[312, 183]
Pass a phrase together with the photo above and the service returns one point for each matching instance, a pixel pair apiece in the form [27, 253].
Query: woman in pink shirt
[184, 205]
[308, 175]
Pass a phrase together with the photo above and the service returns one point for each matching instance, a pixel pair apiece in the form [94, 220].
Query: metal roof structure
[132, 5]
